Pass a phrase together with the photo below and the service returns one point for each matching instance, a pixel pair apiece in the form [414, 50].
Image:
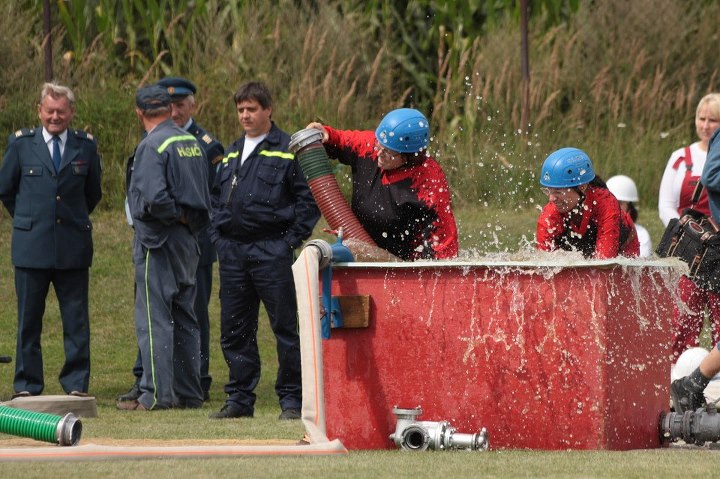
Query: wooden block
[355, 310]
[56, 404]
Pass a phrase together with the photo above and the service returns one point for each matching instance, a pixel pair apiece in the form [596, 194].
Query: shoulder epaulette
[83, 135]
[203, 135]
[24, 132]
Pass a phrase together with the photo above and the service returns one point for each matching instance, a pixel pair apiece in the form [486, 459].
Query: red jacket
[406, 211]
[601, 231]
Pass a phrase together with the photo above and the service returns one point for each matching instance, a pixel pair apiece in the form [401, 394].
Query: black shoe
[132, 395]
[229, 411]
[290, 414]
[20, 394]
[684, 399]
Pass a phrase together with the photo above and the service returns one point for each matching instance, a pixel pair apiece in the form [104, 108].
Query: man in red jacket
[400, 193]
[581, 213]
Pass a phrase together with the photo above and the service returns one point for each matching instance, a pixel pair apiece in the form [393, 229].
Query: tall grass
[618, 79]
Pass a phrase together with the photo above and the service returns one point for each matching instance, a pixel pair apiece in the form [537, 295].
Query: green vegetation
[616, 78]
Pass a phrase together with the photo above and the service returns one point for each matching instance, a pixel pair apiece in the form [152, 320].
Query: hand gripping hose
[307, 146]
[62, 430]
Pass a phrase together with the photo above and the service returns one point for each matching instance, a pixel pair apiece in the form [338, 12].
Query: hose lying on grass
[62, 430]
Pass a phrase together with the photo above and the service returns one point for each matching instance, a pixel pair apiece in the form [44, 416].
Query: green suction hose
[62, 430]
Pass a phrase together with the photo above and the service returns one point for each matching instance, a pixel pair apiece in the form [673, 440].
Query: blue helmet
[404, 130]
[567, 168]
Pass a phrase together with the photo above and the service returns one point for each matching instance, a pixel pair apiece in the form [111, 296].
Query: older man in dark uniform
[182, 94]
[50, 182]
[169, 204]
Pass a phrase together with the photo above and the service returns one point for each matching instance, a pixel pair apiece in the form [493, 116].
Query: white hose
[307, 289]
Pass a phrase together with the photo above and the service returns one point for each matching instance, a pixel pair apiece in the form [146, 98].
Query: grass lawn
[114, 349]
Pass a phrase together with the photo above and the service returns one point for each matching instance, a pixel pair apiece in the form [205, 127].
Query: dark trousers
[203, 289]
[165, 324]
[71, 288]
[243, 284]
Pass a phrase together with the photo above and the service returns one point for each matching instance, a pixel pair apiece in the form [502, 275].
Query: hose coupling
[693, 427]
[325, 250]
[69, 430]
[303, 138]
[413, 435]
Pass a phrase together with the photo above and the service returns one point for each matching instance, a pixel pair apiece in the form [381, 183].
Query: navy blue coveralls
[262, 211]
[203, 281]
[51, 243]
[169, 203]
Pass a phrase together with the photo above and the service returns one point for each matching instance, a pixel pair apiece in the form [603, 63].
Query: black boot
[131, 395]
[687, 393]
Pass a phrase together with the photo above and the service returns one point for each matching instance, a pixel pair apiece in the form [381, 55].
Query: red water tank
[573, 357]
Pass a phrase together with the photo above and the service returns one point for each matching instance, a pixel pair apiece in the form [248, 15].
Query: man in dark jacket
[182, 94]
[169, 203]
[50, 182]
[262, 210]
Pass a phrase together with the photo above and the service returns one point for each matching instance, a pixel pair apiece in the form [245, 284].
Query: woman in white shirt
[682, 174]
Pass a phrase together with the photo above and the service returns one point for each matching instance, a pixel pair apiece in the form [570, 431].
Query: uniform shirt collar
[47, 136]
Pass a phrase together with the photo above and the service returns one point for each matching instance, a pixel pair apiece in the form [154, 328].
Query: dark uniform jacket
[264, 204]
[51, 211]
[168, 184]
[213, 152]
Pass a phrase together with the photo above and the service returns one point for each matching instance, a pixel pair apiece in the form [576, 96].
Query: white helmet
[688, 362]
[623, 187]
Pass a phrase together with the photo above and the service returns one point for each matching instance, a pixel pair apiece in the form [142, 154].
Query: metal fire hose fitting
[303, 138]
[693, 427]
[413, 435]
[325, 251]
[69, 430]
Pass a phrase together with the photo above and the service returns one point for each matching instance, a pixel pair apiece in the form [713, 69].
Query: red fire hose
[307, 146]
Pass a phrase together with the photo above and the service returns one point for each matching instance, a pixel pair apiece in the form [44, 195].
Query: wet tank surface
[546, 354]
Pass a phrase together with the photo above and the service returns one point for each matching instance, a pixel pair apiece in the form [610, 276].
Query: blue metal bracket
[332, 314]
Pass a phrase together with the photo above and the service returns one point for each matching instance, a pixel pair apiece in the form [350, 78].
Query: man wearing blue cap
[182, 95]
[169, 203]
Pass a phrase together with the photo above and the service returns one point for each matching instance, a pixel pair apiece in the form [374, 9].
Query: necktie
[56, 156]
